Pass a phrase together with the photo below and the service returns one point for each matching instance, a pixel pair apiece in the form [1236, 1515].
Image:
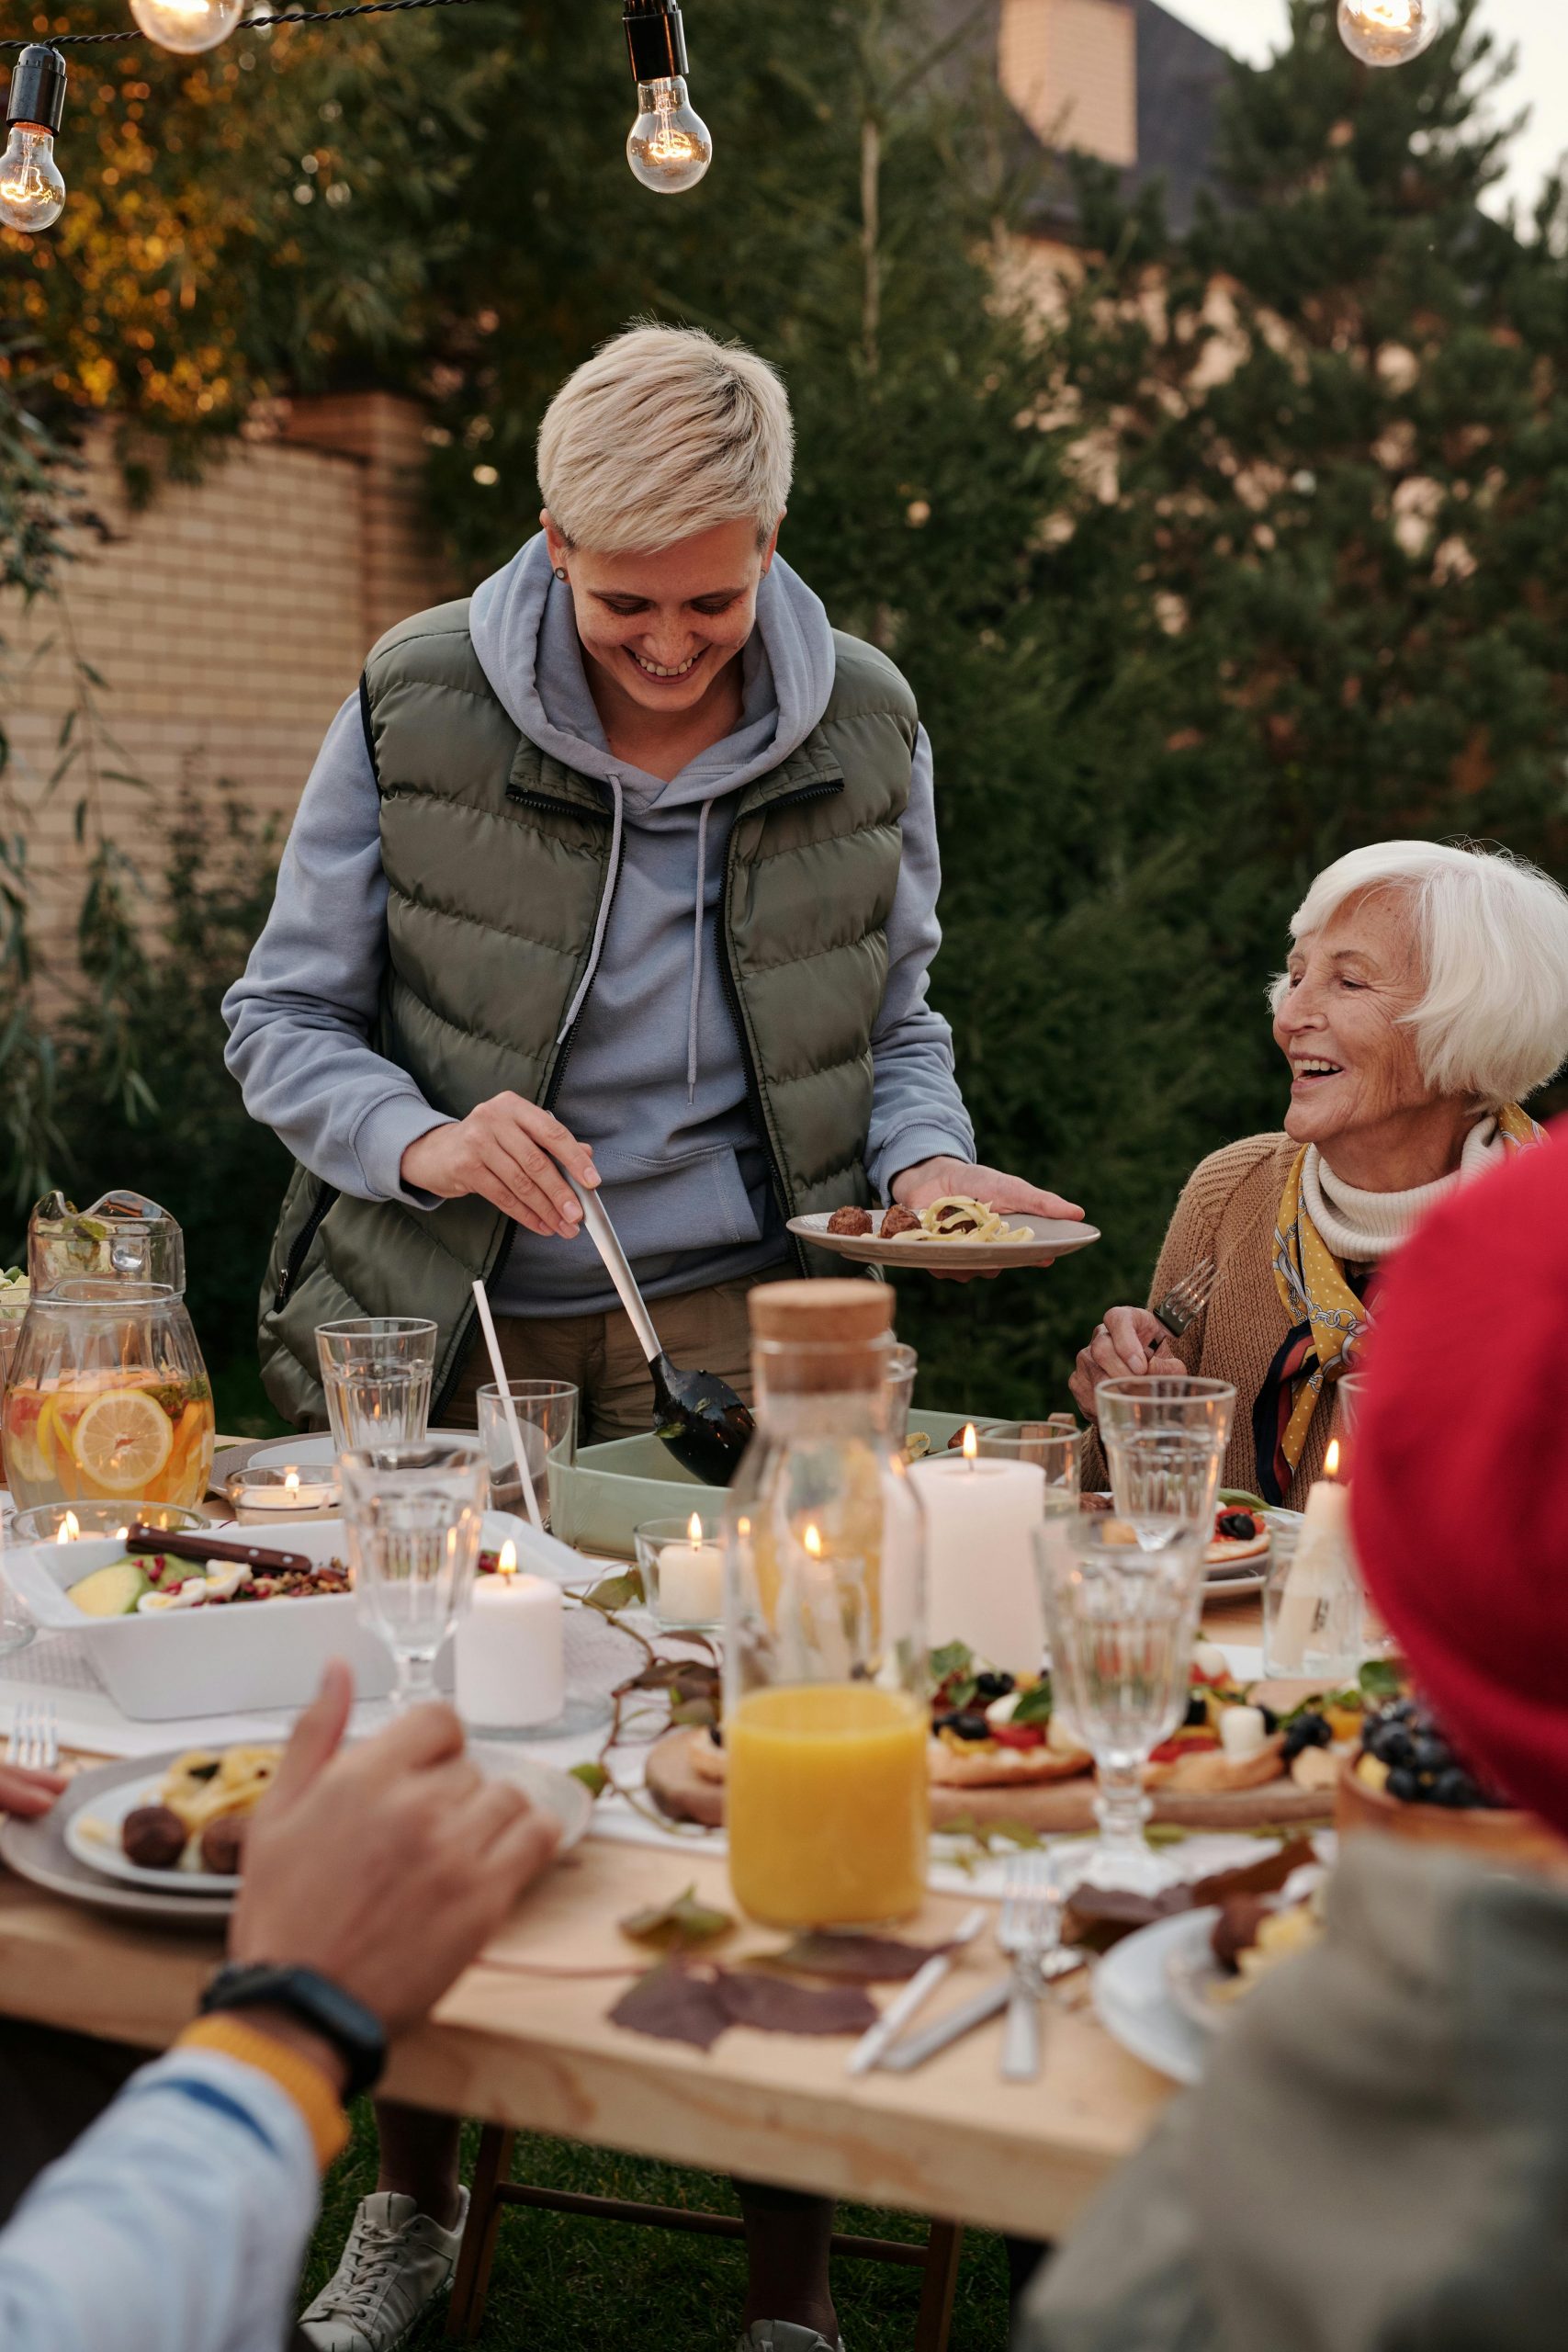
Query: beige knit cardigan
[1228, 1210]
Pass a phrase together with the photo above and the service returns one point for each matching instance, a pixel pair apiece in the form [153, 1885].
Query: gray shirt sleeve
[917, 1110]
[300, 1016]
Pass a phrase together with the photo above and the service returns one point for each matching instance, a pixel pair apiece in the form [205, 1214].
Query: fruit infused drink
[827, 1805]
[99, 1436]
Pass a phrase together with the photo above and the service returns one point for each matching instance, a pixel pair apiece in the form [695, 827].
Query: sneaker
[396, 2264]
[785, 2336]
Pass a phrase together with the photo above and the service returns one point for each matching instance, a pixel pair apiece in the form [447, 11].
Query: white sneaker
[785, 2336]
[396, 2264]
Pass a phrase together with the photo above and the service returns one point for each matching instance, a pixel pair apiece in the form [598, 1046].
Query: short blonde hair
[664, 433]
[1492, 939]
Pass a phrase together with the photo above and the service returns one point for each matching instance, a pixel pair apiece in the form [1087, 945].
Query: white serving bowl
[230, 1660]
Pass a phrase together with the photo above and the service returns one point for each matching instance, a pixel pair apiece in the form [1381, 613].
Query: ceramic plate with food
[955, 1236]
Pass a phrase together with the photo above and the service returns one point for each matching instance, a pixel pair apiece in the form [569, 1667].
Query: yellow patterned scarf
[1320, 1306]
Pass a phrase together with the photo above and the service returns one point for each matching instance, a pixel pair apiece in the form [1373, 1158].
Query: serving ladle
[698, 1416]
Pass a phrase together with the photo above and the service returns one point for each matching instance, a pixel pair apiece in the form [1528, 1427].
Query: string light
[1387, 32]
[187, 27]
[669, 146]
[32, 194]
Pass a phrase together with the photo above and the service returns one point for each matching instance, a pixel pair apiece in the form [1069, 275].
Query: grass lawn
[565, 2285]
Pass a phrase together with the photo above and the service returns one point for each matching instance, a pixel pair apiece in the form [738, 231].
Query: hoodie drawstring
[575, 1007]
[697, 920]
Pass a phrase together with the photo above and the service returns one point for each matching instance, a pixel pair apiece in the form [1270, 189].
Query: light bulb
[32, 194]
[670, 147]
[187, 26]
[1387, 32]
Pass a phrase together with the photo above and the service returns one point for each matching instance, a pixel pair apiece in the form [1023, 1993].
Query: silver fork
[1028, 1932]
[35, 1737]
[1182, 1305]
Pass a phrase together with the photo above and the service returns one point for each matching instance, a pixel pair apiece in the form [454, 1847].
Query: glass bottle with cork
[825, 1652]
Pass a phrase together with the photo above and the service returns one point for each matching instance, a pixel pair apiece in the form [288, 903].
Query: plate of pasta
[180, 1830]
[954, 1235]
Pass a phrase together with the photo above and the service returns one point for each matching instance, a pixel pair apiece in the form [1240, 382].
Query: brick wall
[228, 619]
[1071, 69]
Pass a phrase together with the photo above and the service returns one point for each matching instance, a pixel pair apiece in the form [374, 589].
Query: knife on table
[916, 2048]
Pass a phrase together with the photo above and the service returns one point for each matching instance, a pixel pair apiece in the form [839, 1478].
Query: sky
[1537, 28]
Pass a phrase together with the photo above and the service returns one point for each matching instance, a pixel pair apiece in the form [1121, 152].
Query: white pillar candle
[982, 1586]
[690, 1580]
[511, 1650]
[1321, 1564]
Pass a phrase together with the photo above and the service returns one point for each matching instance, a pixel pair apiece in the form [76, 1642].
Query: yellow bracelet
[313, 2092]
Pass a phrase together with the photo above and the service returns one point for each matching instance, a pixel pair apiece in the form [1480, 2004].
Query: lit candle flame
[812, 1540]
[694, 1528]
[1331, 1459]
[971, 1443]
[506, 1566]
[291, 1482]
[69, 1528]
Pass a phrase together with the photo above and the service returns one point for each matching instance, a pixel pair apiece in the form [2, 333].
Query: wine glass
[413, 1514]
[1165, 1436]
[1121, 1624]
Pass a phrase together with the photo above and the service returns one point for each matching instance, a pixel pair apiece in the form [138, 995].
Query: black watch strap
[355, 2031]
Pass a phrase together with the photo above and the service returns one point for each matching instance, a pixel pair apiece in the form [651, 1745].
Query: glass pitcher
[825, 1660]
[107, 1397]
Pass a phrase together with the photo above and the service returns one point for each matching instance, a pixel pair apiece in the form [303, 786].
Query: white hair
[664, 433]
[1492, 941]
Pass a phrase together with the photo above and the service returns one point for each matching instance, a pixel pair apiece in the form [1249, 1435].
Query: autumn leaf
[677, 1924]
[674, 2004]
[772, 2005]
[615, 1593]
[858, 1959]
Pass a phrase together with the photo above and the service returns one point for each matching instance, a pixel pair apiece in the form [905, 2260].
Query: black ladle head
[701, 1419]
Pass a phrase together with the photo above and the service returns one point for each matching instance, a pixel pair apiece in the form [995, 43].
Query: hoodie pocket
[696, 1202]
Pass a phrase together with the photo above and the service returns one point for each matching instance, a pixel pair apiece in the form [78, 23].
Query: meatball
[223, 1845]
[898, 1220]
[850, 1219]
[153, 1837]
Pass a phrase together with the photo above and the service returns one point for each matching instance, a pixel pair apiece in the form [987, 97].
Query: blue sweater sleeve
[299, 1017]
[179, 2223]
[917, 1110]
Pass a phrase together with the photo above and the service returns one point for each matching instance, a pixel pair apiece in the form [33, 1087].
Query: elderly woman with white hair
[1425, 997]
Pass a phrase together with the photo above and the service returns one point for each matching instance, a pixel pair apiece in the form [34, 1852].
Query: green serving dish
[597, 1501]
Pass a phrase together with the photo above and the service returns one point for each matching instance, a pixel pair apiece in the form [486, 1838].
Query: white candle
[511, 1650]
[981, 1581]
[1320, 1566]
[291, 1494]
[690, 1580]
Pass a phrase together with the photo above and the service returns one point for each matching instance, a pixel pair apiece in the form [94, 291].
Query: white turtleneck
[1366, 1226]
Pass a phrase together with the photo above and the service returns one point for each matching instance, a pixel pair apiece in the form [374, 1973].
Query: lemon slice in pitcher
[123, 1440]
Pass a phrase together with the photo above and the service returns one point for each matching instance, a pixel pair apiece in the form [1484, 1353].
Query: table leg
[476, 2255]
[938, 2287]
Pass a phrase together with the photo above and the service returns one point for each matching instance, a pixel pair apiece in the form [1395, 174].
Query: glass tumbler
[1122, 1625]
[546, 1422]
[1165, 1439]
[413, 1514]
[377, 1371]
[681, 1562]
[1312, 1621]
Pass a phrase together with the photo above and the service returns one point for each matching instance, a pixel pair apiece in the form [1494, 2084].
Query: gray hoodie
[655, 1081]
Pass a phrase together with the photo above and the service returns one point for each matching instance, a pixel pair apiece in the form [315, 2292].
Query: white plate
[1134, 2001]
[553, 1791]
[1049, 1237]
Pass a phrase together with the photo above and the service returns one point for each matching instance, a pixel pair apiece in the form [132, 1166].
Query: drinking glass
[547, 1422]
[1053, 1445]
[902, 1365]
[377, 1371]
[1122, 1625]
[413, 1514]
[1165, 1436]
[681, 1562]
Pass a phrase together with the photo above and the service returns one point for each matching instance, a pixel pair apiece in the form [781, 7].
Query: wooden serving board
[1054, 1808]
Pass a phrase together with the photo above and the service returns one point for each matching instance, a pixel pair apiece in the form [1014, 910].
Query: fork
[35, 1737]
[1182, 1305]
[1028, 1932]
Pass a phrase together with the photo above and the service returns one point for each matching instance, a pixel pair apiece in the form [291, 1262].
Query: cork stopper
[821, 1339]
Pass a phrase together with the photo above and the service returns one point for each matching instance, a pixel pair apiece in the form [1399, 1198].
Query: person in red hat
[1377, 2157]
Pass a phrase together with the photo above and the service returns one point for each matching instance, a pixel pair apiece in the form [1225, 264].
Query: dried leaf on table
[594, 1777]
[674, 2004]
[772, 2005]
[694, 1715]
[677, 1924]
[856, 1959]
[616, 1592]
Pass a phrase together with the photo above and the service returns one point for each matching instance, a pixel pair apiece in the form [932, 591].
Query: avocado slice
[113, 1592]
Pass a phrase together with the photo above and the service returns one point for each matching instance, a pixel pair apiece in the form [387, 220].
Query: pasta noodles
[957, 1217]
[202, 1786]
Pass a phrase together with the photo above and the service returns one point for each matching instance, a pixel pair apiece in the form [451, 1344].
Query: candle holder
[74, 1522]
[519, 1660]
[681, 1562]
[268, 1491]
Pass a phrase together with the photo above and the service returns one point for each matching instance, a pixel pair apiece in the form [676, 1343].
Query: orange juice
[826, 1804]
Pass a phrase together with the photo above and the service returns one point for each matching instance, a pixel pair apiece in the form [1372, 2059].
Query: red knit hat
[1460, 1476]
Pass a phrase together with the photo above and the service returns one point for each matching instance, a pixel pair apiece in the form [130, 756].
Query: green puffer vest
[497, 859]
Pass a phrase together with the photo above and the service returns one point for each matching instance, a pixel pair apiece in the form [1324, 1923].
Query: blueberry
[1393, 1745]
[994, 1686]
[1455, 1788]
[1403, 1784]
[969, 1726]
[1432, 1755]
[1307, 1730]
[1271, 1720]
[1239, 1526]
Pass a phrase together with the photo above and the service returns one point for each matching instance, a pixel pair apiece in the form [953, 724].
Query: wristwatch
[355, 2031]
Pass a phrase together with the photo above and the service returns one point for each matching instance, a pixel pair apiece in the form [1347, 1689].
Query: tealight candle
[981, 1587]
[690, 1580]
[260, 1491]
[511, 1651]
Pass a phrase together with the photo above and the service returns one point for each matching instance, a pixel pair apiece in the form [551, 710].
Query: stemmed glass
[1121, 1624]
[413, 1514]
[1165, 1436]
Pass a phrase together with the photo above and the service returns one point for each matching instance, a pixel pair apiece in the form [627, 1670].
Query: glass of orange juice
[826, 1726]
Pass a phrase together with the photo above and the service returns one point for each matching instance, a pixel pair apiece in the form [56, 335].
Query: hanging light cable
[669, 146]
[32, 194]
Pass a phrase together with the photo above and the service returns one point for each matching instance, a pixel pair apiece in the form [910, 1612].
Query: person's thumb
[317, 1736]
